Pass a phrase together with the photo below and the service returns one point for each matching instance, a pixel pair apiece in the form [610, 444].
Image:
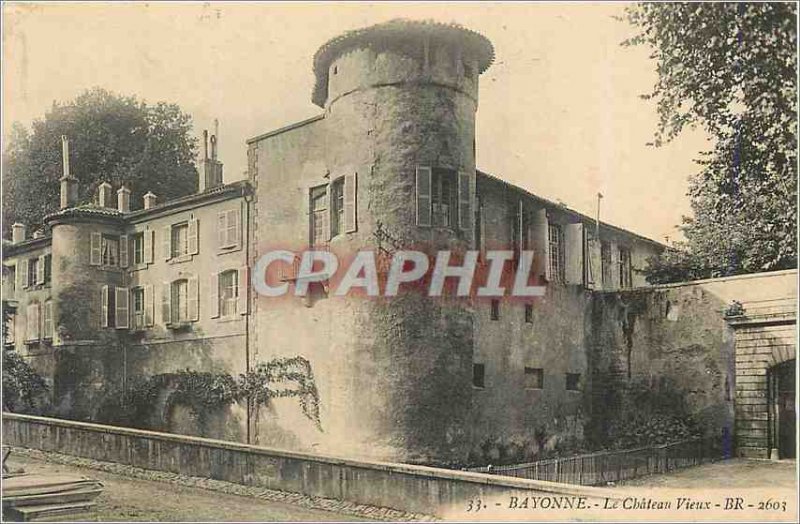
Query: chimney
[69, 184]
[104, 198]
[124, 200]
[17, 233]
[210, 167]
[38, 233]
[149, 200]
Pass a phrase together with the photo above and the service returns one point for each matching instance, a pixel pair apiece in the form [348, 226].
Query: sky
[559, 114]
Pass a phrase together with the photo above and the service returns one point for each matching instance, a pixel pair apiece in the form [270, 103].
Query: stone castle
[112, 293]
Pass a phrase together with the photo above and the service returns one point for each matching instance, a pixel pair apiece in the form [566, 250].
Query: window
[108, 317]
[556, 244]
[479, 375]
[605, 264]
[32, 322]
[624, 267]
[529, 313]
[495, 312]
[573, 381]
[444, 197]
[180, 240]
[137, 302]
[228, 228]
[228, 293]
[534, 378]
[109, 248]
[138, 249]
[47, 326]
[319, 216]
[10, 330]
[33, 271]
[180, 301]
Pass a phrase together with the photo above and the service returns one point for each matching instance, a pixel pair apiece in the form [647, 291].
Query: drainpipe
[248, 198]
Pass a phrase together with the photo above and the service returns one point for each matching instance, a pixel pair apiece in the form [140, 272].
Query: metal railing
[603, 467]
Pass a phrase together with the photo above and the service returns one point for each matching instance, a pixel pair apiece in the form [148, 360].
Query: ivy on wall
[203, 392]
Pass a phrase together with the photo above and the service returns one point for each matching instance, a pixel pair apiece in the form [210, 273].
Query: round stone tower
[400, 100]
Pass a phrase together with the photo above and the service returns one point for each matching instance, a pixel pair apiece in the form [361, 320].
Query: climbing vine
[203, 391]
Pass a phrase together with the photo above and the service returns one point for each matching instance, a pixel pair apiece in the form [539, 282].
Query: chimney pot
[124, 200]
[18, 231]
[104, 198]
[150, 200]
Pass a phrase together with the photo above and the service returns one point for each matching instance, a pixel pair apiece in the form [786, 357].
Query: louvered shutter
[464, 208]
[166, 242]
[244, 280]
[95, 249]
[423, 196]
[193, 297]
[22, 271]
[121, 306]
[148, 239]
[194, 236]
[104, 308]
[573, 247]
[123, 251]
[222, 229]
[149, 305]
[541, 263]
[166, 303]
[214, 295]
[235, 227]
[40, 270]
[48, 319]
[350, 211]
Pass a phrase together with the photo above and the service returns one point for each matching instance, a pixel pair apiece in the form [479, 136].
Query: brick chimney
[150, 200]
[124, 200]
[210, 168]
[69, 184]
[18, 233]
[104, 198]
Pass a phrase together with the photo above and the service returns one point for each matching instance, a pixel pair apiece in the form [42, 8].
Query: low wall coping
[409, 469]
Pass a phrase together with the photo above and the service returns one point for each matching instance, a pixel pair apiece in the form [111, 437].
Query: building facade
[388, 165]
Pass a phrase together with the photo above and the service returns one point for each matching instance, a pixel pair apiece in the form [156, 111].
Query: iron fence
[603, 467]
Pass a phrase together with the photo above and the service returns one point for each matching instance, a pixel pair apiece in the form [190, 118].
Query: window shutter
[222, 229]
[95, 253]
[166, 303]
[32, 322]
[22, 276]
[193, 234]
[149, 305]
[236, 230]
[123, 251]
[121, 306]
[40, 270]
[104, 302]
[350, 192]
[541, 262]
[149, 243]
[166, 242]
[423, 196]
[573, 247]
[244, 280]
[193, 294]
[214, 295]
[464, 208]
[48, 319]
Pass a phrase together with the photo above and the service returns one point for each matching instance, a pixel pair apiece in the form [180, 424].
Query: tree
[112, 138]
[732, 69]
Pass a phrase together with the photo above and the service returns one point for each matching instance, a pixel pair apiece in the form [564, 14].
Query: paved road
[734, 473]
[125, 499]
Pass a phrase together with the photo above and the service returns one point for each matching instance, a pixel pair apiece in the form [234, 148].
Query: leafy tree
[112, 138]
[730, 68]
[24, 390]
